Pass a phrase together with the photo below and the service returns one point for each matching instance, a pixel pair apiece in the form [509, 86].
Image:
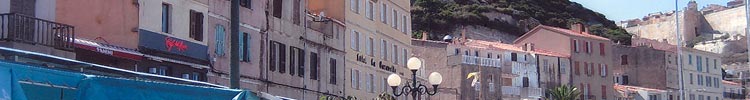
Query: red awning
[107, 49]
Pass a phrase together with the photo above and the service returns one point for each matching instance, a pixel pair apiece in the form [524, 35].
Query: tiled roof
[730, 82]
[635, 88]
[571, 32]
[550, 53]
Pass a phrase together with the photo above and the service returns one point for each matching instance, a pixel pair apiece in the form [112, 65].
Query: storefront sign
[378, 64]
[160, 42]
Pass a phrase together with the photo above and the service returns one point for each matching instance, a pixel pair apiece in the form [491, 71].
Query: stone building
[19, 28]
[378, 44]
[589, 54]
[715, 28]
[654, 65]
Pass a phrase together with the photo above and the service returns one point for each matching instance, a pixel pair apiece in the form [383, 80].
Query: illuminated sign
[149, 40]
[174, 43]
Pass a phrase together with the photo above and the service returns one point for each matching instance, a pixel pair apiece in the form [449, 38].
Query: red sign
[175, 43]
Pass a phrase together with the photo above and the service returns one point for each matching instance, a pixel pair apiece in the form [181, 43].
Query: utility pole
[747, 37]
[679, 49]
[234, 59]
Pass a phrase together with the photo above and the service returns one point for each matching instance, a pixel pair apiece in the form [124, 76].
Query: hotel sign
[373, 63]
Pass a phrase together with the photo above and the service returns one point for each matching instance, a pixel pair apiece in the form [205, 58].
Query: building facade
[378, 44]
[172, 37]
[251, 38]
[589, 56]
[305, 51]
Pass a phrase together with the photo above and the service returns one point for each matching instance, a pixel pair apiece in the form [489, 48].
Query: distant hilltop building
[714, 28]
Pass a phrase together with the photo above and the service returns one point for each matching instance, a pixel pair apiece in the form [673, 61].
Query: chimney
[424, 36]
[578, 28]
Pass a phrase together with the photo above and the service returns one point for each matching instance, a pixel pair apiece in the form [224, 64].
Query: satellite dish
[448, 38]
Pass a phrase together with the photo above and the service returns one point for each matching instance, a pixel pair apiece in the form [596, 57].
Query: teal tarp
[44, 84]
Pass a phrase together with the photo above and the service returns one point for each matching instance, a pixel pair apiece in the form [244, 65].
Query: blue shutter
[219, 50]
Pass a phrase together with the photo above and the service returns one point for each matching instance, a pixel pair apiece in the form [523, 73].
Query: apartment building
[172, 37]
[554, 69]
[304, 50]
[733, 91]
[589, 55]
[378, 44]
[252, 28]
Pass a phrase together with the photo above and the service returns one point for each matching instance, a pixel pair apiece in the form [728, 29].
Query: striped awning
[108, 49]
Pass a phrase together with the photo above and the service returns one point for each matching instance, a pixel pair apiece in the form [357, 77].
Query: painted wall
[150, 17]
[104, 21]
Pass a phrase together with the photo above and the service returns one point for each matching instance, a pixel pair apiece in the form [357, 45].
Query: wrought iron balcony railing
[26, 29]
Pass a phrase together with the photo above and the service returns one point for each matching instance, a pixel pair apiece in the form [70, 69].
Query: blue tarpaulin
[28, 82]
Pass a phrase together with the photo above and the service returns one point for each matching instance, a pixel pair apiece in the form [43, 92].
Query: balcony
[511, 90]
[534, 92]
[30, 30]
[473, 60]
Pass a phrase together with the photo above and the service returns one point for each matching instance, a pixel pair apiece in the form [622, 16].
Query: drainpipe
[234, 59]
[304, 45]
[679, 50]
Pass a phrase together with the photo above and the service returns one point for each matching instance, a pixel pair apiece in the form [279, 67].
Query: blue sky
[618, 10]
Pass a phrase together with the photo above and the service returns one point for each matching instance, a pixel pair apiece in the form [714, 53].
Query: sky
[618, 10]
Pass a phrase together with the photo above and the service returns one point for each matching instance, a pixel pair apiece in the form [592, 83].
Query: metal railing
[511, 90]
[534, 92]
[26, 29]
[473, 60]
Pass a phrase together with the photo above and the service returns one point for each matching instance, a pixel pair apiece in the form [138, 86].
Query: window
[161, 70]
[292, 57]
[296, 12]
[191, 76]
[604, 92]
[277, 7]
[653, 97]
[383, 13]
[165, 17]
[282, 58]
[476, 53]
[708, 81]
[456, 51]
[601, 49]
[385, 84]
[384, 49]
[272, 56]
[690, 59]
[186, 76]
[491, 84]
[196, 25]
[355, 40]
[700, 79]
[301, 62]
[588, 47]
[708, 67]
[314, 65]
[586, 68]
[245, 47]
[355, 77]
[405, 56]
[625, 80]
[513, 57]
[715, 63]
[370, 46]
[624, 60]
[219, 49]
[332, 63]
[575, 46]
[395, 54]
[369, 10]
[603, 70]
[698, 63]
[394, 18]
[246, 3]
[700, 97]
[691, 78]
[371, 83]
[403, 24]
[716, 82]
[577, 67]
[354, 5]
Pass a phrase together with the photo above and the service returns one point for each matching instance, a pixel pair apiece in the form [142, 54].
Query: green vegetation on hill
[442, 17]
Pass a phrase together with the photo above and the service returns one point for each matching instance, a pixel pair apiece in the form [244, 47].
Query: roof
[730, 83]
[561, 31]
[635, 88]
[550, 53]
[492, 45]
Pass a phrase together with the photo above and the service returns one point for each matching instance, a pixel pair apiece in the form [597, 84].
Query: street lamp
[415, 89]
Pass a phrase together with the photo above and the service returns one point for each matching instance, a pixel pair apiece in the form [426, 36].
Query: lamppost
[414, 88]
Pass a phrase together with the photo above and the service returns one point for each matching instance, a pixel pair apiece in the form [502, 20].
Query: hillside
[514, 17]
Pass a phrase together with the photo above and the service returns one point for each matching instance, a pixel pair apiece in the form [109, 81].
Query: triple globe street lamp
[414, 87]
